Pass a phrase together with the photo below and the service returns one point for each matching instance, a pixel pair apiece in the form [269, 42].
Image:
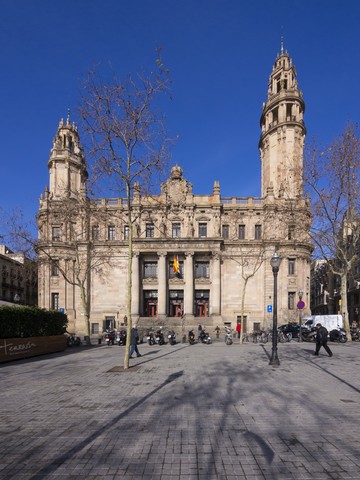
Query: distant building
[325, 297]
[18, 278]
[215, 241]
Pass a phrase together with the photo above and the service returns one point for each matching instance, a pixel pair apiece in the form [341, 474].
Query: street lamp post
[300, 308]
[275, 264]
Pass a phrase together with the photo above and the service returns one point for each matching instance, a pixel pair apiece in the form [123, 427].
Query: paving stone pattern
[186, 412]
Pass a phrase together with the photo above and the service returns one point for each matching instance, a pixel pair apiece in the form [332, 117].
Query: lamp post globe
[275, 264]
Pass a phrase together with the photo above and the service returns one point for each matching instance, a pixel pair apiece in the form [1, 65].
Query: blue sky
[220, 54]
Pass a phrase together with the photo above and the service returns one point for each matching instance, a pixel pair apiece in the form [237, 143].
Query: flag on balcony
[176, 264]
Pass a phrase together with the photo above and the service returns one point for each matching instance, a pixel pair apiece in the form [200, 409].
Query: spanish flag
[176, 264]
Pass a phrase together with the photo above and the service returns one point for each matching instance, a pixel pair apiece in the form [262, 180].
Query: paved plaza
[182, 412]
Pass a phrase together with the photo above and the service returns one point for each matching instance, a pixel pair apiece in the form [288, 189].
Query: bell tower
[67, 167]
[283, 132]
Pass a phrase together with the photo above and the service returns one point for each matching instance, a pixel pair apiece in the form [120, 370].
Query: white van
[330, 322]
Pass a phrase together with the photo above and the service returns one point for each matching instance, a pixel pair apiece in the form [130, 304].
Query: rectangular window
[241, 232]
[257, 232]
[111, 232]
[225, 231]
[291, 266]
[291, 300]
[94, 328]
[202, 230]
[56, 234]
[150, 230]
[291, 232]
[55, 268]
[202, 270]
[55, 301]
[95, 232]
[150, 269]
[176, 230]
[126, 232]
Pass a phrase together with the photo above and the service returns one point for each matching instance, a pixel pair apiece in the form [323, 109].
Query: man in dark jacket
[321, 339]
[133, 342]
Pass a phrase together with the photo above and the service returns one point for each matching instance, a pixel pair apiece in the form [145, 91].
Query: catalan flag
[176, 264]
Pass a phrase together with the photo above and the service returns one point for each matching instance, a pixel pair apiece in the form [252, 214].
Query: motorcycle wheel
[343, 339]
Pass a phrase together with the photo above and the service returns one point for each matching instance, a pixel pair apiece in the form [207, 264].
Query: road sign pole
[300, 306]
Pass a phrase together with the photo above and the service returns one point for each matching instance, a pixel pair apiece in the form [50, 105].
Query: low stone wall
[16, 348]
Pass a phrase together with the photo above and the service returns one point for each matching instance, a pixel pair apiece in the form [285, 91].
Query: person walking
[321, 340]
[134, 335]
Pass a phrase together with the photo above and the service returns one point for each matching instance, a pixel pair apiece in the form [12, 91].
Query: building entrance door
[176, 310]
[201, 309]
[151, 309]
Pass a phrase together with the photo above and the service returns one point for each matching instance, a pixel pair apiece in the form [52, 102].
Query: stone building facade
[218, 245]
[18, 283]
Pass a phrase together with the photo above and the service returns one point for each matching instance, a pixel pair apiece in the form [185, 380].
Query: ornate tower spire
[282, 131]
[67, 167]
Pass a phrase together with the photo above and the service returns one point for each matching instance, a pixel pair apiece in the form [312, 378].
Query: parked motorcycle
[204, 337]
[228, 336]
[191, 337]
[109, 337]
[120, 337]
[73, 340]
[159, 337]
[150, 337]
[338, 335]
[172, 337]
[355, 334]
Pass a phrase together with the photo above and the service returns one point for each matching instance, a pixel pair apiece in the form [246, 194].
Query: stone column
[135, 289]
[162, 284]
[215, 288]
[189, 284]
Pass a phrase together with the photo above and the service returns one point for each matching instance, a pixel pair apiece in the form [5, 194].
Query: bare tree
[332, 179]
[127, 141]
[250, 261]
[74, 255]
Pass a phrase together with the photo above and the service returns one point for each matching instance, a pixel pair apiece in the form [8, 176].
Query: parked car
[292, 328]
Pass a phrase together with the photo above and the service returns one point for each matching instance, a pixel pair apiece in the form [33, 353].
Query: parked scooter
[120, 337]
[191, 337]
[204, 337]
[338, 335]
[308, 335]
[228, 336]
[109, 337]
[150, 337]
[73, 340]
[172, 337]
[159, 337]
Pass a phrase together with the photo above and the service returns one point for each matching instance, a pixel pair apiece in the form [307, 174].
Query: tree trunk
[85, 306]
[129, 283]
[344, 305]
[242, 310]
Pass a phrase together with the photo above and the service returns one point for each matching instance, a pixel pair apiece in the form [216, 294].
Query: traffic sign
[300, 305]
[269, 308]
